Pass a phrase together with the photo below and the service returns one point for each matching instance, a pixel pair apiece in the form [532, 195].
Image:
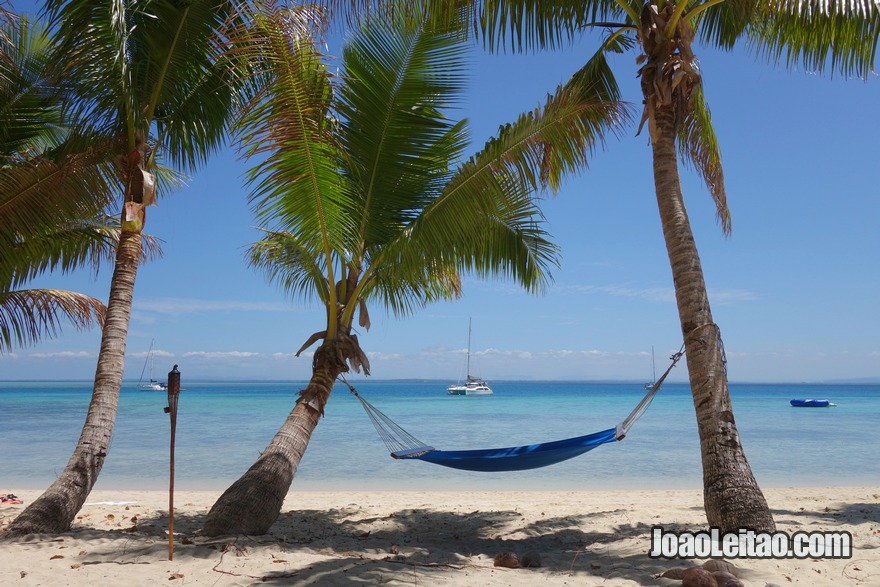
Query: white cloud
[731, 296]
[379, 356]
[220, 355]
[653, 294]
[62, 355]
[658, 294]
[178, 306]
[143, 354]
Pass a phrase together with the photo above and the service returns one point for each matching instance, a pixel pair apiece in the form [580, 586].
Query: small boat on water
[812, 403]
[474, 385]
[651, 383]
[152, 384]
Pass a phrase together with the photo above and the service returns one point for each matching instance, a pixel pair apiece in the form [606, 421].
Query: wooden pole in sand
[173, 394]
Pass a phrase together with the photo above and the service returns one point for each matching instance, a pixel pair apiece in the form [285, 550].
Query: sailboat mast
[469, 349]
[653, 366]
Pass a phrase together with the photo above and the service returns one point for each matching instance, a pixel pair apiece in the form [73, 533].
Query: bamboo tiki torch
[173, 394]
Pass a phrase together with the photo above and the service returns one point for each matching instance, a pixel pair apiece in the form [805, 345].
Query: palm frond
[487, 220]
[292, 267]
[722, 24]
[840, 35]
[184, 76]
[28, 316]
[63, 249]
[68, 246]
[401, 285]
[698, 146]
[158, 65]
[30, 112]
[527, 25]
[295, 184]
[94, 43]
[399, 82]
[42, 193]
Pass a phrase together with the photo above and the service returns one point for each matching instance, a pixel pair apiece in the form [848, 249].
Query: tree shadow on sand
[352, 546]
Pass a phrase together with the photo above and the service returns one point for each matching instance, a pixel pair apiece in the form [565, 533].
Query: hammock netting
[404, 445]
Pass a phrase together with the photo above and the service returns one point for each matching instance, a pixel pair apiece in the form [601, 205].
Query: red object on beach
[9, 499]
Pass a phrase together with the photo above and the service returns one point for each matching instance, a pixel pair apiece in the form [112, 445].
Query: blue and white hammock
[404, 445]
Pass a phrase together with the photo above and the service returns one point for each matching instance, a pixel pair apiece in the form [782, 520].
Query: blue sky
[794, 289]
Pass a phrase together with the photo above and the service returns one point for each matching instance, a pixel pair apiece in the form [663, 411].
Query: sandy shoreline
[391, 538]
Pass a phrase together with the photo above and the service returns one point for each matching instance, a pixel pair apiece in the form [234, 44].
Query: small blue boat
[811, 403]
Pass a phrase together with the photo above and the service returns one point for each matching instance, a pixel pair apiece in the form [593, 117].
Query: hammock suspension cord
[623, 427]
[402, 444]
[392, 434]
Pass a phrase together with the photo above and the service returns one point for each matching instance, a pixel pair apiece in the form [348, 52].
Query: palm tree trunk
[252, 504]
[732, 498]
[55, 509]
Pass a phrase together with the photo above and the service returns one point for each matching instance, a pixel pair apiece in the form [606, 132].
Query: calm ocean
[222, 427]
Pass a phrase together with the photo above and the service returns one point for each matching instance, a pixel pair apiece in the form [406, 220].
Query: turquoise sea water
[222, 427]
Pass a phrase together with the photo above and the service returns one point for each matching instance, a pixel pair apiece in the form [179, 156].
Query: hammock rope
[392, 434]
[623, 427]
[403, 445]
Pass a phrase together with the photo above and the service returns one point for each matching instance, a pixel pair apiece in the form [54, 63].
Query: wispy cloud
[657, 294]
[178, 306]
[62, 355]
[653, 294]
[553, 354]
[158, 353]
[731, 296]
[220, 355]
[380, 356]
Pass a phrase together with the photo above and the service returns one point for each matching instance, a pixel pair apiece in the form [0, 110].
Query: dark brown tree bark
[732, 497]
[252, 504]
[55, 510]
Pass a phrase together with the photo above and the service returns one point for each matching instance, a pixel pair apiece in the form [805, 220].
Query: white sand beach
[586, 538]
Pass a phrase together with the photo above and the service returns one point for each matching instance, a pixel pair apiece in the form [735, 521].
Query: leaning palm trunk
[669, 78]
[56, 508]
[732, 498]
[251, 505]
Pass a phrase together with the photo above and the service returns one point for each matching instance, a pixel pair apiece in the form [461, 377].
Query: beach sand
[388, 538]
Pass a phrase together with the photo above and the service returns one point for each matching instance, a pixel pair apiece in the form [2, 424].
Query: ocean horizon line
[361, 379]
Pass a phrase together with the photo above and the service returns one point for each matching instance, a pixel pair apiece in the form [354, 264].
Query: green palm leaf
[157, 65]
[408, 223]
[698, 147]
[488, 212]
[291, 266]
[29, 109]
[398, 142]
[27, 316]
[838, 35]
[296, 186]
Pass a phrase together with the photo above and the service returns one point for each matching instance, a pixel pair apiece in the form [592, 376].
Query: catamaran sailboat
[474, 385]
[152, 385]
[651, 383]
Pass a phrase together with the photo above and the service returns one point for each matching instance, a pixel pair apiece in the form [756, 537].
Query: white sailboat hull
[469, 389]
[474, 385]
[151, 384]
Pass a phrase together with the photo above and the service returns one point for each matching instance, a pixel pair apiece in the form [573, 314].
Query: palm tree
[151, 74]
[821, 35]
[366, 200]
[50, 195]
